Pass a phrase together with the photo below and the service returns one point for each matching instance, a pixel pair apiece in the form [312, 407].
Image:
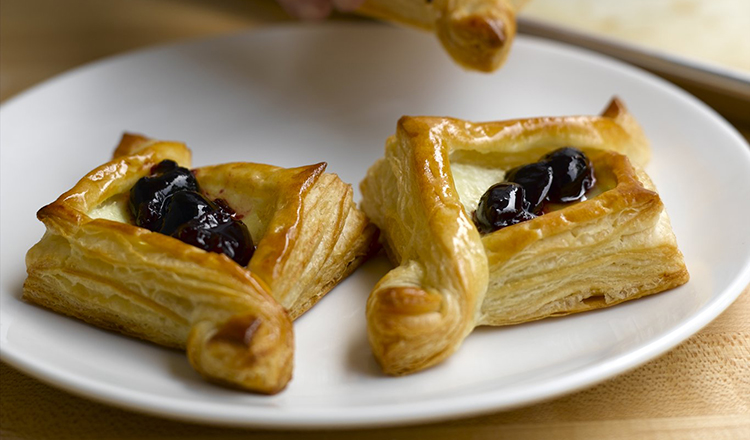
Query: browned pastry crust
[615, 246]
[94, 265]
[478, 34]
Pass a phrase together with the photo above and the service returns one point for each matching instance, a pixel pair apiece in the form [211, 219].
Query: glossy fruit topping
[148, 195]
[169, 202]
[218, 232]
[573, 174]
[181, 207]
[536, 179]
[563, 175]
[502, 205]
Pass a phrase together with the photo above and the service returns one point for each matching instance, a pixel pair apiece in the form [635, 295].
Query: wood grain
[41, 38]
[701, 389]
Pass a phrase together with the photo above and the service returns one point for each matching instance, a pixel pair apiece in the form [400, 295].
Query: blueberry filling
[563, 175]
[573, 174]
[504, 204]
[536, 180]
[182, 207]
[148, 195]
[169, 201]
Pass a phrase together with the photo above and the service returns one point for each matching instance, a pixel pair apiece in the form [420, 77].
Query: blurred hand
[318, 9]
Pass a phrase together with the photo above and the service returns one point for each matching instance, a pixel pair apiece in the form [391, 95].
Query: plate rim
[728, 79]
[441, 409]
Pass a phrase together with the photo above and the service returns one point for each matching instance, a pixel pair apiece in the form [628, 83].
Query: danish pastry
[604, 242]
[478, 34]
[233, 317]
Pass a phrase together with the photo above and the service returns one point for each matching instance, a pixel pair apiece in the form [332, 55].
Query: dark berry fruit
[502, 205]
[536, 180]
[572, 174]
[148, 195]
[181, 207]
[164, 166]
[213, 233]
[169, 202]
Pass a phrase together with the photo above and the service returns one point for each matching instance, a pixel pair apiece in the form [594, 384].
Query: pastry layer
[94, 265]
[478, 34]
[449, 278]
[611, 248]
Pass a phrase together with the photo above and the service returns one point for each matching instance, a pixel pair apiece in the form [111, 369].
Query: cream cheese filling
[115, 208]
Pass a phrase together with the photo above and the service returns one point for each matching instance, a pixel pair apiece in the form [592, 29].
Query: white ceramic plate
[297, 95]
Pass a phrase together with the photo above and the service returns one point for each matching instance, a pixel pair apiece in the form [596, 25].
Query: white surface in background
[716, 31]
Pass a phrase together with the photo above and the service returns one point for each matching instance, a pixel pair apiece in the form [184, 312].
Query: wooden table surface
[701, 389]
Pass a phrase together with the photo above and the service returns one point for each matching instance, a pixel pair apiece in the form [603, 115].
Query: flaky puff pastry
[478, 34]
[234, 322]
[615, 246]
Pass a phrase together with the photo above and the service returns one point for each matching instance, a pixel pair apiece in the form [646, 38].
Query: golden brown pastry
[615, 246]
[235, 322]
[478, 34]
